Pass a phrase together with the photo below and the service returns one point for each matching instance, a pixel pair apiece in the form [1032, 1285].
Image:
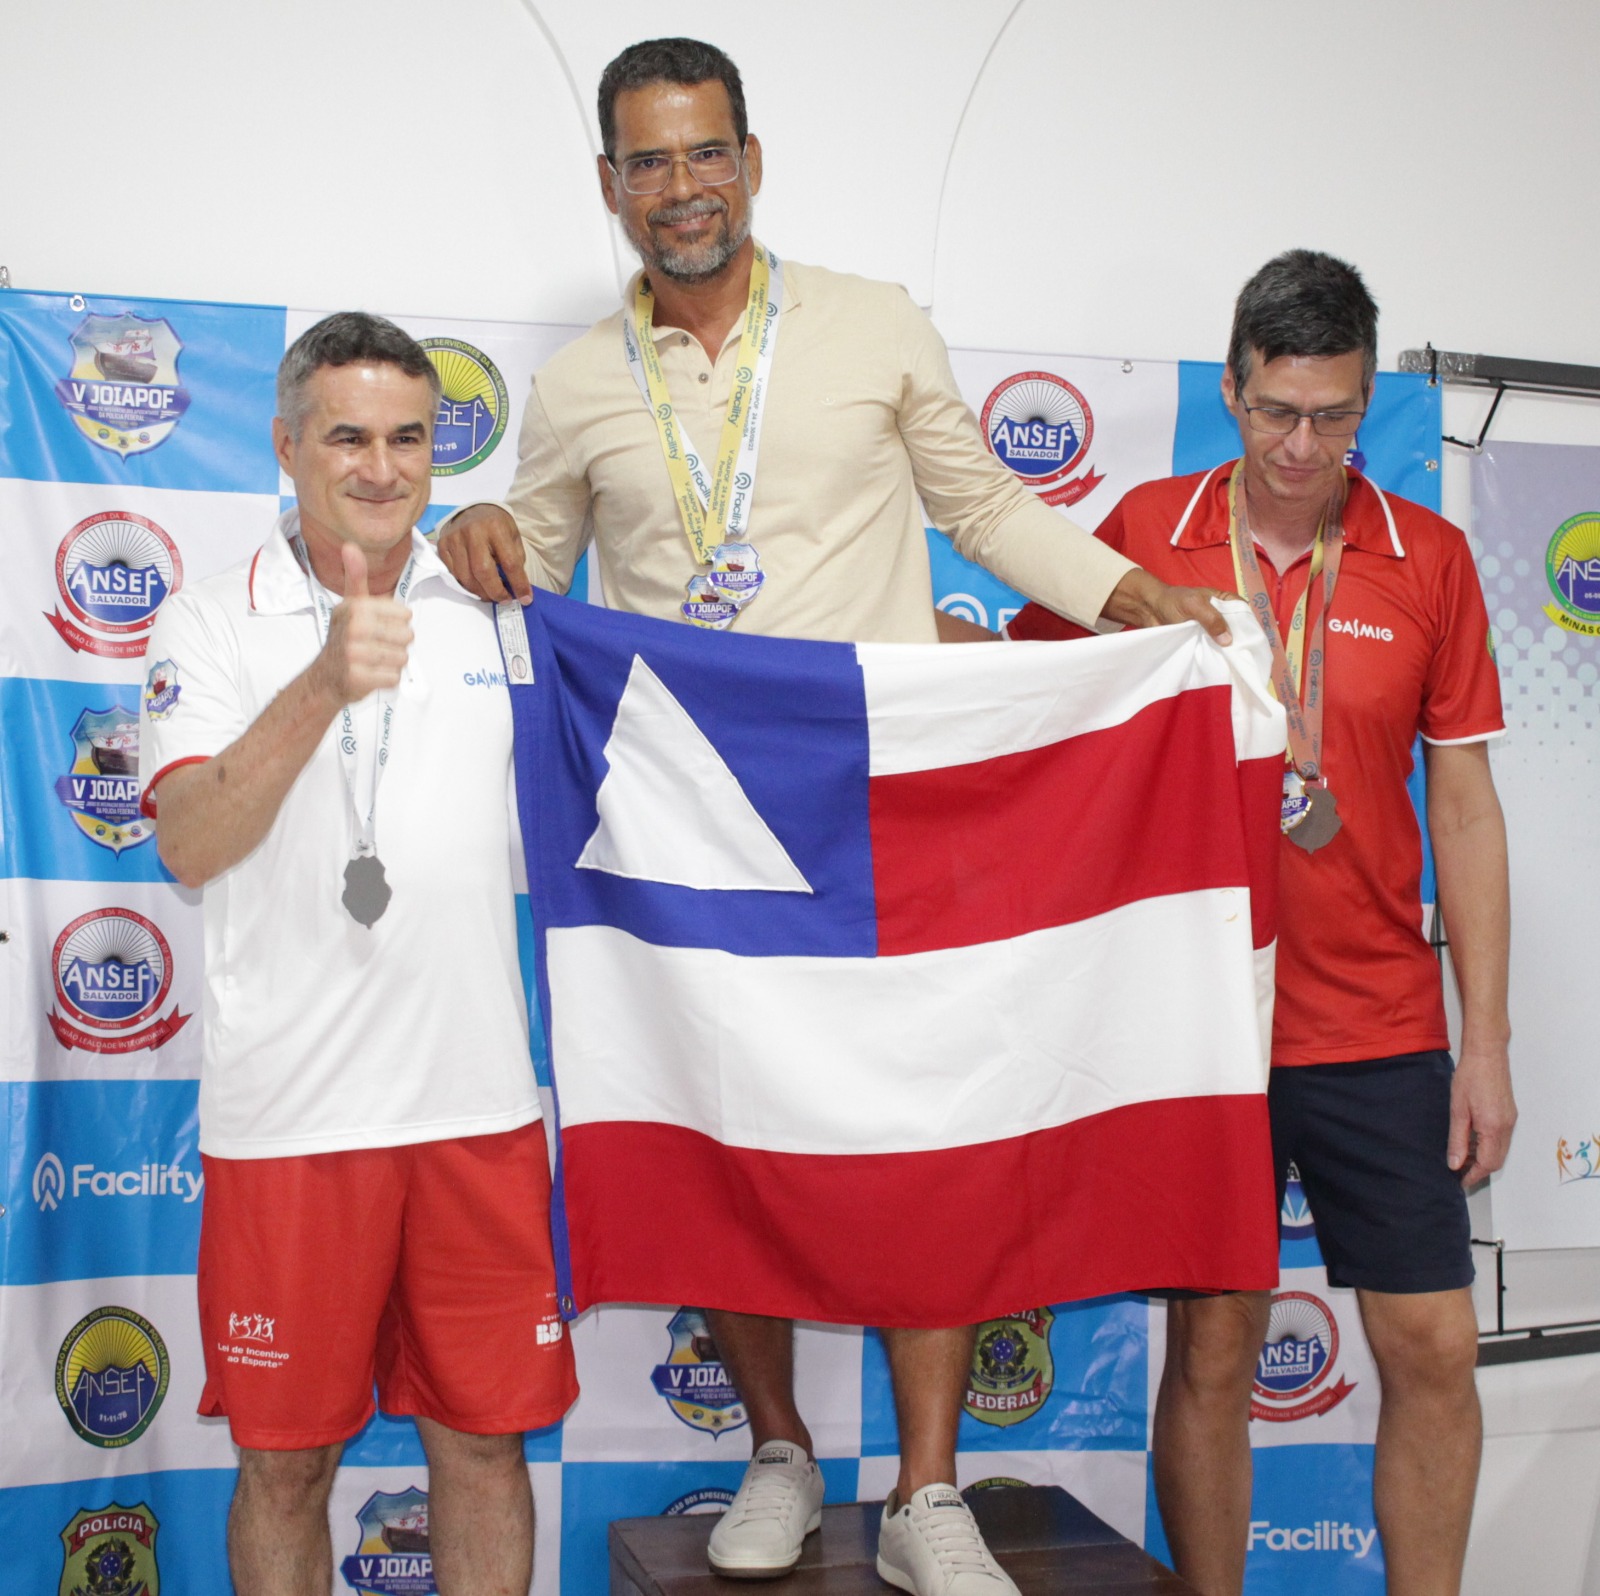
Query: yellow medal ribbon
[703, 507]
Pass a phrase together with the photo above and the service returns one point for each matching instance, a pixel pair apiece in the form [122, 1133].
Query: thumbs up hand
[368, 638]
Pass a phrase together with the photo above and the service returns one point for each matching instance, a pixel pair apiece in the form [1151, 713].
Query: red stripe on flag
[1172, 1193]
[1050, 836]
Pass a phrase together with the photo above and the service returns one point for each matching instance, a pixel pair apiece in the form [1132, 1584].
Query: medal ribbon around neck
[1293, 666]
[366, 828]
[714, 509]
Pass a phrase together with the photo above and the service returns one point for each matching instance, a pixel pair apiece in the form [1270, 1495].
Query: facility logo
[708, 1499]
[1577, 1163]
[693, 1381]
[1041, 426]
[472, 406]
[1572, 568]
[111, 1376]
[1294, 1218]
[101, 789]
[112, 571]
[1012, 1371]
[110, 1552]
[393, 1557]
[123, 392]
[1326, 1535]
[161, 689]
[88, 1180]
[113, 973]
[1298, 1360]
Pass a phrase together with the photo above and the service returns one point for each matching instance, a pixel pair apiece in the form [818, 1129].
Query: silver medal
[366, 891]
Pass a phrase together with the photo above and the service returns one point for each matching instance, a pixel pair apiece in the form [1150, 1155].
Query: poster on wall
[135, 460]
[1536, 533]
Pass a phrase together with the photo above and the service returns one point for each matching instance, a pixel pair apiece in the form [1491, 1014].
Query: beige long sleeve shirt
[863, 416]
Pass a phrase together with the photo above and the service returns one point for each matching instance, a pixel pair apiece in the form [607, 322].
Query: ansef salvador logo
[1041, 426]
[1297, 1360]
[113, 570]
[113, 974]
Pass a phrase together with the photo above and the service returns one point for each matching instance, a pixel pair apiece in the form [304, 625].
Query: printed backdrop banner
[1536, 532]
[134, 457]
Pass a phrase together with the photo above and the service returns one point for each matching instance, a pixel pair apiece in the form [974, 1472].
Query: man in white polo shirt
[329, 762]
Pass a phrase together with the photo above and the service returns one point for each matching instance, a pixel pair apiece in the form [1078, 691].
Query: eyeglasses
[1280, 421]
[711, 167]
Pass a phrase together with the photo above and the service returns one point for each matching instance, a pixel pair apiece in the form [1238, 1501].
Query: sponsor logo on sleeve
[162, 690]
[394, 1556]
[693, 1382]
[112, 571]
[113, 975]
[111, 1376]
[110, 1551]
[1041, 426]
[472, 406]
[123, 392]
[101, 787]
[1298, 1361]
[1012, 1371]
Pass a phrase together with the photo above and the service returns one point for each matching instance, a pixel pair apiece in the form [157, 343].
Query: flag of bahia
[842, 947]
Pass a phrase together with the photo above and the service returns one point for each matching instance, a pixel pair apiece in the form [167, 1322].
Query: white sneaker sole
[730, 1570]
[894, 1576]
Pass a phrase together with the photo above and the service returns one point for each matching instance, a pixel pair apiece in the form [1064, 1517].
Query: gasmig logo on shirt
[110, 1551]
[1298, 1359]
[123, 392]
[111, 1376]
[693, 1381]
[101, 789]
[1580, 1161]
[394, 1556]
[113, 973]
[1572, 568]
[112, 571]
[1012, 1371]
[1354, 628]
[472, 406]
[1041, 426]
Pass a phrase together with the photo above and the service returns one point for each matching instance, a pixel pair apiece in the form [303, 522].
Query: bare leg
[758, 1354]
[1430, 1434]
[278, 1540]
[929, 1369]
[480, 1512]
[1201, 1435]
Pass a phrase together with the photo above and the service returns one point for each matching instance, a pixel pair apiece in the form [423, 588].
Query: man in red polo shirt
[1380, 635]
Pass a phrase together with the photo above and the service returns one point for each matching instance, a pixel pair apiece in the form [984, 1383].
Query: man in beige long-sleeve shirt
[807, 525]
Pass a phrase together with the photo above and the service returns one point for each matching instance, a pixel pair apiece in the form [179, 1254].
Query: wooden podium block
[1045, 1539]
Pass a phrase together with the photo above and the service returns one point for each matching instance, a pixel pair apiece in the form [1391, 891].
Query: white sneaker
[932, 1547]
[778, 1504]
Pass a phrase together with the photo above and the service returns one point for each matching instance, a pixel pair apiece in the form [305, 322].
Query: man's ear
[752, 162]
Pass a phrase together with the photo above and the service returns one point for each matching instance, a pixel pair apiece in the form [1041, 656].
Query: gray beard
[695, 264]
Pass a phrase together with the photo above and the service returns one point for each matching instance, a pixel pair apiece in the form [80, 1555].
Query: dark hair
[346, 338]
[1303, 302]
[685, 61]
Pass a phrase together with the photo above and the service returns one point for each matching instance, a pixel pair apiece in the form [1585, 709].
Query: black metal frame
[1500, 373]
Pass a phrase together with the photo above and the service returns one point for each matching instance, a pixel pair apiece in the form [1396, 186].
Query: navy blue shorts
[1369, 1140]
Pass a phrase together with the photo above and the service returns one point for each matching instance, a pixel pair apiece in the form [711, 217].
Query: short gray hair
[346, 338]
[1304, 303]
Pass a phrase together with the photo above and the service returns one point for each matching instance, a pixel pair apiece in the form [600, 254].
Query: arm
[1469, 850]
[500, 551]
[214, 813]
[997, 523]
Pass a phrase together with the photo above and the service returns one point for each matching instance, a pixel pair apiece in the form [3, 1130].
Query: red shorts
[425, 1269]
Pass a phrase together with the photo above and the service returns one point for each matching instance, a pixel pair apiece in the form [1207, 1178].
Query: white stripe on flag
[958, 706]
[927, 1050]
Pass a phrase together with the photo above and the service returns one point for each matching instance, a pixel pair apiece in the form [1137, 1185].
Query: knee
[288, 1482]
[1430, 1349]
[458, 1451]
[1213, 1343]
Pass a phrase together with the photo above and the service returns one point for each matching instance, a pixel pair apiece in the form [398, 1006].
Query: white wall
[1096, 179]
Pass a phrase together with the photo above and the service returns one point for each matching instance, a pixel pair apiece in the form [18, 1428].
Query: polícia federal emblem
[395, 1557]
[1012, 1371]
[693, 1381]
[110, 1552]
[101, 789]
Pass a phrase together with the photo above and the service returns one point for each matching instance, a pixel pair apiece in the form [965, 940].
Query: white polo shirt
[320, 1033]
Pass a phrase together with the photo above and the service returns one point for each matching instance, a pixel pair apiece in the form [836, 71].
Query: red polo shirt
[1407, 652]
